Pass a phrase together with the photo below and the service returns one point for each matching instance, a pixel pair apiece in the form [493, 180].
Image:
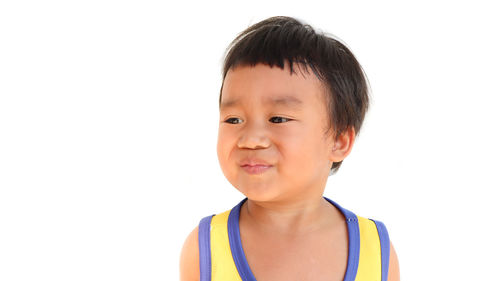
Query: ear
[342, 145]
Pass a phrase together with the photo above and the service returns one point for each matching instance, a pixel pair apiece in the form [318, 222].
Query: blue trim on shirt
[385, 248]
[233, 229]
[204, 249]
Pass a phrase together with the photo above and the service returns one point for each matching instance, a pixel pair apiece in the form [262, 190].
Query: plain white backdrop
[109, 118]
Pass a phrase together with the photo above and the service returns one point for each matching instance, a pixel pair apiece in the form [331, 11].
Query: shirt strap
[204, 249]
[385, 248]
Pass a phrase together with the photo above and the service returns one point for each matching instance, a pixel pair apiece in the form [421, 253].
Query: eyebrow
[289, 101]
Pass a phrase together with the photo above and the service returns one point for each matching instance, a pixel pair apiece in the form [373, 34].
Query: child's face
[296, 148]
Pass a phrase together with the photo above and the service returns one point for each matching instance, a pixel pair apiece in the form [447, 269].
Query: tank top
[222, 257]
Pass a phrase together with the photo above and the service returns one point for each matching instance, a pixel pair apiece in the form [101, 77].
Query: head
[292, 98]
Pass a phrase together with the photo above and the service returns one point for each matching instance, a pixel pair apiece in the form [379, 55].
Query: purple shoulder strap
[204, 247]
[385, 248]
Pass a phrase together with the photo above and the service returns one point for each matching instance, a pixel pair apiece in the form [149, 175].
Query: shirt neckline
[242, 263]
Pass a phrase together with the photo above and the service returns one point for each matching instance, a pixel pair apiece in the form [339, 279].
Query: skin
[285, 223]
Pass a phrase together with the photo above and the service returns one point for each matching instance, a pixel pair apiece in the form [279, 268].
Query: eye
[229, 120]
[279, 118]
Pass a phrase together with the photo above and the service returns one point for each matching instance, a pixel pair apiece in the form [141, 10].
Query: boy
[291, 103]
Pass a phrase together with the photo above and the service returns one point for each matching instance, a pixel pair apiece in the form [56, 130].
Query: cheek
[224, 145]
[294, 153]
[220, 146]
[303, 150]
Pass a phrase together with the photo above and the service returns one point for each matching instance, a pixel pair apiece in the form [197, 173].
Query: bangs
[284, 42]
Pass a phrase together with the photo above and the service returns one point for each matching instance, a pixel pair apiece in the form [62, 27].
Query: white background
[109, 117]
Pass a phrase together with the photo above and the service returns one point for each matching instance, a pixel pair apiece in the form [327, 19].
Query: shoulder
[189, 262]
[393, 266]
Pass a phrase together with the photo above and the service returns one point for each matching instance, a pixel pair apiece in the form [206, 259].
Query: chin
[258, 193]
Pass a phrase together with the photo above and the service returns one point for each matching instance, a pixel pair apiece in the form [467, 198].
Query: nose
[253, 136]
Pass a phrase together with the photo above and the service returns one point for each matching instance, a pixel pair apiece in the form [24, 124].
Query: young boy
[291, 104]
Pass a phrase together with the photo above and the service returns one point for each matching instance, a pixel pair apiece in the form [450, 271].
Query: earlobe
[342, 146]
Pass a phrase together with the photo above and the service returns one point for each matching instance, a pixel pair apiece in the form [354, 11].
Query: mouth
[255, 169]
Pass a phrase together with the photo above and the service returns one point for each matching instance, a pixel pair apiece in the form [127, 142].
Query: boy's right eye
[229, 120]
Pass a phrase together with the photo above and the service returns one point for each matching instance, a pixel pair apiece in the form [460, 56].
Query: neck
[289, 217]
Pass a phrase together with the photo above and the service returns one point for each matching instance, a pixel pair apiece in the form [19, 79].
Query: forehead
[270, 86]
[274, 100]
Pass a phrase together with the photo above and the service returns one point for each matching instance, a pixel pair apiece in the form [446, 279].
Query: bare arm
[393, 266]
[190, 265]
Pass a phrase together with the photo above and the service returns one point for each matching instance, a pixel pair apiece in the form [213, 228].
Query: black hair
[278, 41]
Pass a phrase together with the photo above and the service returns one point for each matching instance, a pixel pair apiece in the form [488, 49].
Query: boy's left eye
[279, 118]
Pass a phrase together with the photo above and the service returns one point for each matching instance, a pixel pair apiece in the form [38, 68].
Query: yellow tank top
[222, 257]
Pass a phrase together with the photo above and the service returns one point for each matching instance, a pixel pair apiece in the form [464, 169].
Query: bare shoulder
[393, 266]
[189, 263]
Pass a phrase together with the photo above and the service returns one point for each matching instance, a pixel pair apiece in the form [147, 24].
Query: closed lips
[254, 162]
[256, 169]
